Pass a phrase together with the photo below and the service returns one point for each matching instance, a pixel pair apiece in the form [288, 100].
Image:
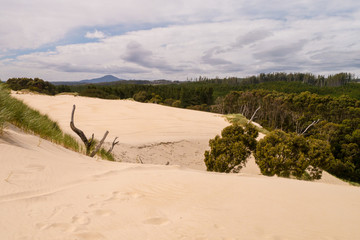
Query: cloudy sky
[140, 39]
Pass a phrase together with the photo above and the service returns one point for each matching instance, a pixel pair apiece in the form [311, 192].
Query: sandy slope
[47, 192]
[149, 133]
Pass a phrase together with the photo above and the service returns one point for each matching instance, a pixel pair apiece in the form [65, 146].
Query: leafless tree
[113, 145]
[311, 124]
[252, 117]
[88, 142]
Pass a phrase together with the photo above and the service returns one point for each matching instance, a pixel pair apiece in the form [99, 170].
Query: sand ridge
[54, 193]
[48, 192]
[148, 133]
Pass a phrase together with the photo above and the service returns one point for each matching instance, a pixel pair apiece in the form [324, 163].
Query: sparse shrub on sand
[229, 152]
[291, 155]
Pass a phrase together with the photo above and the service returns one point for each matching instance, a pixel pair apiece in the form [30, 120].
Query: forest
[322, 110]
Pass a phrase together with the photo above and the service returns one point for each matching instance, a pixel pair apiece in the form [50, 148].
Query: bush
[177, 104]
[230, 151]
[141, 96]
[288, 154]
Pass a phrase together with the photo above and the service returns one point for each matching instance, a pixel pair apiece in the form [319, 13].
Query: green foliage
[344, 139]
[155, 99]
[183, 95]
[19, 114]
[93, 91]
[288, 154]
[105, 155]
[241, 120]
[141, 96]
[290, 112]
[36, 85]
[176, 103]
[230, 151]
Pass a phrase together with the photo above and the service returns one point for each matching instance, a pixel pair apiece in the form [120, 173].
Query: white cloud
[213, 38]
[96, 34]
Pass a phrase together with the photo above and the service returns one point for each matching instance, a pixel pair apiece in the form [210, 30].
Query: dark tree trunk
[88, 142]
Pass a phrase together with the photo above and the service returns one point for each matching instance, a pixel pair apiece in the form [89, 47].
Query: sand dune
[48, 192]
[149, 133]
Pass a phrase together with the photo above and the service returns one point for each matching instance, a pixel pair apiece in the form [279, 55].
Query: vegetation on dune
[19, 114]
[36, 85]
[337, 121]
[292, 155]
[318, 107]
[238, 118]
[229, 152]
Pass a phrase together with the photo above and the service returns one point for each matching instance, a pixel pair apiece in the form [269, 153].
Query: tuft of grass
[242, 121]
[19, 114]
[356, 184]
[105, 155]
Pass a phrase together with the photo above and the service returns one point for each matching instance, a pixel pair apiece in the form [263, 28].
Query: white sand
[47, 192]
[149, 133]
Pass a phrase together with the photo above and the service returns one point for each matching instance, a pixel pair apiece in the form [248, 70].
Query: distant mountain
[104, 79]
[112, 80]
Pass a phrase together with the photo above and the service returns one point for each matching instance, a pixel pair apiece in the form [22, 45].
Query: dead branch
[252, 117]
[97, 148]
[138, 158]
[313, 123]
[81, 133]
[88, 142]
[113, 145]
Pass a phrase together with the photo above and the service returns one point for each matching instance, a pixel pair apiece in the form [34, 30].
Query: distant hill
[112, 80]
[104, 79]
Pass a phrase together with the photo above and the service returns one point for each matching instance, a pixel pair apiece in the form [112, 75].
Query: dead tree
[252, 117]
[311, 124]
[88, 142]
[113, 145]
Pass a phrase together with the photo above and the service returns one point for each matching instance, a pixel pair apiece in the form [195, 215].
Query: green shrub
[141, 96]
[288, 154]
[229, 152]
[177, 104]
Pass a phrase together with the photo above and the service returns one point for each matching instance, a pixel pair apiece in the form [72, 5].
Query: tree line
[289, 103]
[36, 85]
[335, 80]
[337, 121]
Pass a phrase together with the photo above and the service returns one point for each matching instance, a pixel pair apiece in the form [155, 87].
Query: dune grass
[19, 114]
[242, 121]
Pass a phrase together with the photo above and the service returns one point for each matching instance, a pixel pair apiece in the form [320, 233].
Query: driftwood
[311, 124]
[113, 145]
[252, 117]
[88, 142]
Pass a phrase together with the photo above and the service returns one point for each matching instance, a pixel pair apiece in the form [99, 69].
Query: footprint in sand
[122, 196]
[103, 212]
[156, 221]
[63, 227]
[96, 196]
[81, 220]
[133, 195]
[89, 236]
[35, 167]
